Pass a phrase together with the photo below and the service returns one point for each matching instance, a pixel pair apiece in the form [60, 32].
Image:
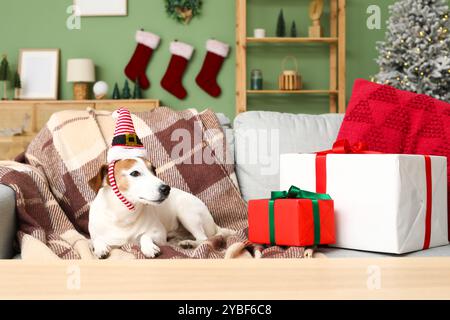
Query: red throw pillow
[394, 121]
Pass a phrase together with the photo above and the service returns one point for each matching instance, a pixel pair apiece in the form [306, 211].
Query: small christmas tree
[281, 25]
[4, 75]
[116, 92]
[17, 85]
[294, 33]
[415, 55]
[137, 93]
[126, 94]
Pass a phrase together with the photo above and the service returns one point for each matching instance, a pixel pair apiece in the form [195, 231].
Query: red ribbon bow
[344, 147]
[339, 147]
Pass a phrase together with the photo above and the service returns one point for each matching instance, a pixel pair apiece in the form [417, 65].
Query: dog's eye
[135, 174]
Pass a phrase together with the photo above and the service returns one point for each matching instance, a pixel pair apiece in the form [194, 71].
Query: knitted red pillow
[395, 121]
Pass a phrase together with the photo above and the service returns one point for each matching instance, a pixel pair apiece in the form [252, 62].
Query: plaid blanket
[189, 151]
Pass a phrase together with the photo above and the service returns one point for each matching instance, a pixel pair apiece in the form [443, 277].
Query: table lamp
[81, 72]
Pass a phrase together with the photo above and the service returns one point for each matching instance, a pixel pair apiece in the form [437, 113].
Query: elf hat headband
[112, 182]
[125, 145]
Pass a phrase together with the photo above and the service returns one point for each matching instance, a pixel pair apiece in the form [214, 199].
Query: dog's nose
[164, 189]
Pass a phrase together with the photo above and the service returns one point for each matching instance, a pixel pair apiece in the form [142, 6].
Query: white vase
[259, 33]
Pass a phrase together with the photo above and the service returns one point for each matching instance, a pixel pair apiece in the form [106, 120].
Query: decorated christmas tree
[415, 55]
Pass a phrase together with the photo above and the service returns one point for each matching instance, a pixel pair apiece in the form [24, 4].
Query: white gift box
[380, 199]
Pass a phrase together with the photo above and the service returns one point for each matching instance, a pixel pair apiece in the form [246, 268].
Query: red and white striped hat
[115, 187]
[126, 144]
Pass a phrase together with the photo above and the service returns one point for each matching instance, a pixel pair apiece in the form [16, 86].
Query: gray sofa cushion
[260, 138]
[7, 221]
[225, 122]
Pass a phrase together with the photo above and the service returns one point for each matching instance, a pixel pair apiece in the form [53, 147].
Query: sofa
[270, 134]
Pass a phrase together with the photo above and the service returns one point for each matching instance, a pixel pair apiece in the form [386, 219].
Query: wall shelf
[337, 60]
[291, 40]
[324, 92]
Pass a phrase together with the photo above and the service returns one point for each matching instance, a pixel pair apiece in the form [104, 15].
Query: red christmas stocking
[172, 80]
[207, 78]
[147, 43]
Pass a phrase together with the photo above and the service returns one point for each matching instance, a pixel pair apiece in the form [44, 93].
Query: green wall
[109, 42]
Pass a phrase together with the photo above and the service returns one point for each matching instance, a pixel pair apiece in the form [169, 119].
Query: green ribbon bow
[296, 193]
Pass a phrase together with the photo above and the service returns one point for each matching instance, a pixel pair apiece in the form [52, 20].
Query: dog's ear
[150, 166]
[96, 182]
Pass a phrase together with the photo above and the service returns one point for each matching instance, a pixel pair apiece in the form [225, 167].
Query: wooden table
[390, 278]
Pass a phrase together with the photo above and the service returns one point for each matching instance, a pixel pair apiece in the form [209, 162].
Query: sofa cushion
[226, 124]
[260, 138]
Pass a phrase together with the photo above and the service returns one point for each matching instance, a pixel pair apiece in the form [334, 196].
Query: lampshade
[80, 70]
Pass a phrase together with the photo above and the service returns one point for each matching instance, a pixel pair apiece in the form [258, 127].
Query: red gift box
[292, 220]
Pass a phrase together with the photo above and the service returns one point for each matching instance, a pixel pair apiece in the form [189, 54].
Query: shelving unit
[291, 40]
[336, 41]
[335, 92]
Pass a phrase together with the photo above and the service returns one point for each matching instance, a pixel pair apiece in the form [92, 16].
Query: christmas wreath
[183, 10]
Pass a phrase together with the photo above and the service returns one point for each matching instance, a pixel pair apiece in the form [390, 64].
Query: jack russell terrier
[134, 206]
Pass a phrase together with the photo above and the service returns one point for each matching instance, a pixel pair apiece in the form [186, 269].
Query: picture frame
[98, 8]
[39, 73]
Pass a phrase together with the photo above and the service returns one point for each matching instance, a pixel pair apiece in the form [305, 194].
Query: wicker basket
[289, 80]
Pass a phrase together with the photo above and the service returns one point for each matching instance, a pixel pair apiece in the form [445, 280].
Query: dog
[159, 210]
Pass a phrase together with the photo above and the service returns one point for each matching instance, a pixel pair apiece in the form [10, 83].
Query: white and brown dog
[134, 206]
[158, 211]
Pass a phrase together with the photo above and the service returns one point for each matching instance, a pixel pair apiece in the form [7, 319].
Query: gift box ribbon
[344, 147]
[296, 193]
[339, 147]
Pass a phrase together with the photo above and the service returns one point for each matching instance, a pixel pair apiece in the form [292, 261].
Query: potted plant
[4, 75]
[17, 83]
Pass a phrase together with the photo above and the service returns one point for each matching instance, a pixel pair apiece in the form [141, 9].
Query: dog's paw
[308, 254]
[149, 249]
[188, 244]
[101, 249]
[225, 232]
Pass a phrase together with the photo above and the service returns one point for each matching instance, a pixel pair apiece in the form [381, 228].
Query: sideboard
[33, 115]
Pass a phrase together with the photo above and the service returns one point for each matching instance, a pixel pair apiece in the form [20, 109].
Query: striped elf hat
[115, 188]
[126, 144]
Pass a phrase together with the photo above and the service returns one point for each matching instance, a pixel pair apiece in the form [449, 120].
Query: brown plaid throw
[53, 196]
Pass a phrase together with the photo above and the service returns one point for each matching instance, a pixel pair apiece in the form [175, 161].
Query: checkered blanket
[189, 151]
